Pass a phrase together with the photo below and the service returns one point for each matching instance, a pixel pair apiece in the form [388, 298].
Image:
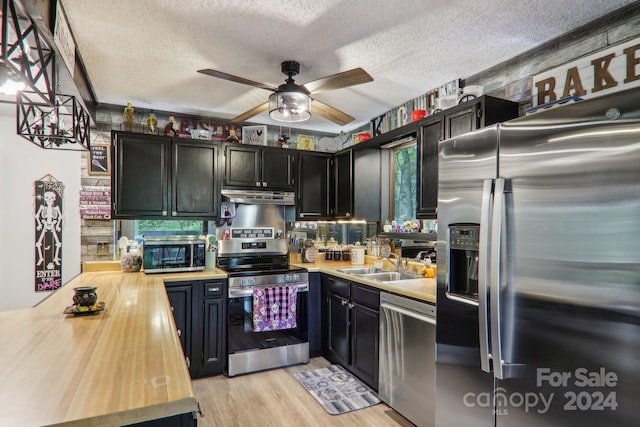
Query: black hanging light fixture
[27, 60]
[65, 125]
[291, 102]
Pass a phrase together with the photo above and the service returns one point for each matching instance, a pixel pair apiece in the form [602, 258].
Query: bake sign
[610, 70]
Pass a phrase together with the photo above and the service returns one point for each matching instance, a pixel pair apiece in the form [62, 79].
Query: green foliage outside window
[167, 227]
[404, 183]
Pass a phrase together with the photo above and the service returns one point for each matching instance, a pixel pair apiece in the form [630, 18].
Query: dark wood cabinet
[161, 177]
[364, 342]
[338, 328]
[314, 310]
[253, 167]
[430, 134]
[350, 327]
[194, 184]
[478, 113]
[213, 342]
[315, 189]
[140, 176]
[343, 171]
[367, 184]
[180, 298]
[199, 310]
[358, 184]
[458, 120]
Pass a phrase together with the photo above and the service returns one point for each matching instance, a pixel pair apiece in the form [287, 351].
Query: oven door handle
[247, 291]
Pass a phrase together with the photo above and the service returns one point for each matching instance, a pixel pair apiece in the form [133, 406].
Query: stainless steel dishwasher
[407, 358]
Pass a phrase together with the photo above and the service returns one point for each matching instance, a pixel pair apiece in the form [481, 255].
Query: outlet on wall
[103, 248]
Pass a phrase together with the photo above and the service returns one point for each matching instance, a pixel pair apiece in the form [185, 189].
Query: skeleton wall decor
[48, 213]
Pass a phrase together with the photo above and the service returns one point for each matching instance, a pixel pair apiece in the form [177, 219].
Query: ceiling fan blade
[340, 80]
[253, 112]
[330, 113]
[232, 78]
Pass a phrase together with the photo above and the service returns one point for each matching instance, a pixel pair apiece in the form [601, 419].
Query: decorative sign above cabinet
[610, 70]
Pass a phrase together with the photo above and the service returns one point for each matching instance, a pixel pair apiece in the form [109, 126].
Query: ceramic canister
[357, 255]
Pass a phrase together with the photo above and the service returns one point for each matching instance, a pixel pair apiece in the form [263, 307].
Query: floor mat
[336, 389]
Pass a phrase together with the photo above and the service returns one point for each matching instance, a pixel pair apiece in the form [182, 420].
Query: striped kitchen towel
[274, 308]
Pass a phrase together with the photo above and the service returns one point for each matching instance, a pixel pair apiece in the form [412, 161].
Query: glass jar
[131, 259]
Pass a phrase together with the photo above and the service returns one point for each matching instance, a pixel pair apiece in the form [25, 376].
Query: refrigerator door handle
[483, 270]
[498, 228]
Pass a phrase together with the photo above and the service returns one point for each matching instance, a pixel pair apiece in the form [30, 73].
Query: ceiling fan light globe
[289, 106]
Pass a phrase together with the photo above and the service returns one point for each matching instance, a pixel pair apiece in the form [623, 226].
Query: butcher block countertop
[120, 366]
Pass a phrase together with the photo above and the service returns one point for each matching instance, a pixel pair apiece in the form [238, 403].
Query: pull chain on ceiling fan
[291, 102]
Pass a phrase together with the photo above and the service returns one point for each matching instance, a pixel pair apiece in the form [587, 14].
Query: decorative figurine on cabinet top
[152, 123]
[283, 140]
[232, 136]
[171, 129]
[128, 117]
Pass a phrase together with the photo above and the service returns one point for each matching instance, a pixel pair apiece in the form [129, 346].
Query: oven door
[240, 327]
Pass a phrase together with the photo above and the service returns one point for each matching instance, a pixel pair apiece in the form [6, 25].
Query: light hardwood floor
[275, 398]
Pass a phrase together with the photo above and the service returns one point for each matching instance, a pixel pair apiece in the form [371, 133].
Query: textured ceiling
[147, 51]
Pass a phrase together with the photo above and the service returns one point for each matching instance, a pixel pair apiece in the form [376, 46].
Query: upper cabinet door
[194, 179]
[140, 175]
[344, 185]
[314, 186]
[278, 169]
[242, 166]
[463, 120]
[478, 113]
[429, 137]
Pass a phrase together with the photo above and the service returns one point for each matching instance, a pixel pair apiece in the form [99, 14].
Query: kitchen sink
[362, 270]
[388, 276]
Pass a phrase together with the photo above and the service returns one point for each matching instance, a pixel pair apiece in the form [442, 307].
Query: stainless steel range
[258, 268]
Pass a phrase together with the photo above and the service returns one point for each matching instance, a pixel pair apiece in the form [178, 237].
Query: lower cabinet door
[364, 344]
[180, 300]
[338, 328]
[214, 343]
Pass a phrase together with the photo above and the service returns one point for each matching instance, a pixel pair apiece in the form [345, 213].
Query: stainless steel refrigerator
[538, 287]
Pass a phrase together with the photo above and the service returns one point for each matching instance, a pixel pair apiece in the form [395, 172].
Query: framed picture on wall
[306, 142]
[99, 159]
[256, 135]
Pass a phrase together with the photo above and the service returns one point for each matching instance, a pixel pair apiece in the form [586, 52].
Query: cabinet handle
[344, 302]
[179, 333]
[164, 213]
[174, 213]
[264, 184]
[350, 305]
[172, 309]
[188, 362]
[214, 289]
[348, 215]
[257, 184]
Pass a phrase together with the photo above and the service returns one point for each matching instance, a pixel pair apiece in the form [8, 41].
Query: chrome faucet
[398, 262]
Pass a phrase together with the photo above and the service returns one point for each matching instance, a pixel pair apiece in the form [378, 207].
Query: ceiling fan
[291, 102]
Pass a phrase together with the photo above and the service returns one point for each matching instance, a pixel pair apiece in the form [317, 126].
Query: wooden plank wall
[512, 78]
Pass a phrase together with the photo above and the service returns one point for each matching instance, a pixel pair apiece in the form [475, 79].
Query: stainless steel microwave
[171, 254]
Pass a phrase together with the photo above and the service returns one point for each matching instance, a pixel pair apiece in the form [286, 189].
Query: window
[137, 229]
[405, 182]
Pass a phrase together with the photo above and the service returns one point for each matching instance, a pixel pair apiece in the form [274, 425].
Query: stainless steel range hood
[260, 197]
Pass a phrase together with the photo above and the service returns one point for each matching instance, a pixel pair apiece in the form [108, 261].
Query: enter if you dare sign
[611, 70]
